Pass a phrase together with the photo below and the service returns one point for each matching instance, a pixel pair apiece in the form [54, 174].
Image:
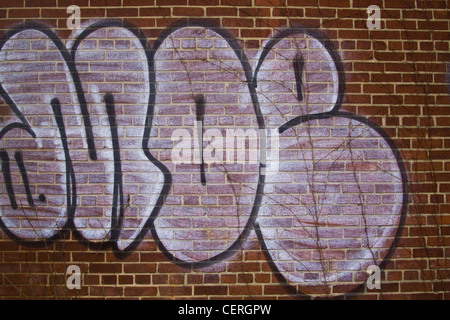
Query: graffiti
[331, 217]
[351, 200]
[90, 150]
[230, 197]
[71, 196]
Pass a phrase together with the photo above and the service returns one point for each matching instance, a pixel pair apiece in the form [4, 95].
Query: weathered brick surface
[368, 185]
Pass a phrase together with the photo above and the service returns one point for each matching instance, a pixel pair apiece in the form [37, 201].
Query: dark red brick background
[396, 77]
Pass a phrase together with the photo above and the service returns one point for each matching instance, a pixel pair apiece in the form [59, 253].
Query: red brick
[172, 291]
[171, 2]
[105, 3]
[237, 3]
[221, 12]
[138, 3]
[254, 12]
[23, 13]
[40, 3]
[193, 11]
[141, 291]
[210, 290]
[128, 12]
[154, 12]
[331, 3]
[394, 77]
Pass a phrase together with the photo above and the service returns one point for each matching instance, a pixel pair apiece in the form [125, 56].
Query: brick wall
[324, 142]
